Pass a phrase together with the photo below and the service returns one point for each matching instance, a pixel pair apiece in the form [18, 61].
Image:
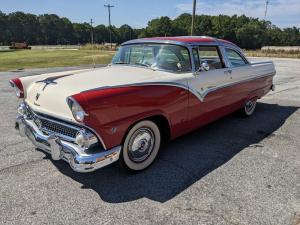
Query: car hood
[48, 93]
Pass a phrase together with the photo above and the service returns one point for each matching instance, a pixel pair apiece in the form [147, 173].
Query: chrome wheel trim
[153, 150]
[141, 144]
[250, 107]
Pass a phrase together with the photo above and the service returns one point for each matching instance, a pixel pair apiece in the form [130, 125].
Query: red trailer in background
[22, 45]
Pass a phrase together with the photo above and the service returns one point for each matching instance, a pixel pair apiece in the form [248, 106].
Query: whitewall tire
[141, 146]
[249, 108]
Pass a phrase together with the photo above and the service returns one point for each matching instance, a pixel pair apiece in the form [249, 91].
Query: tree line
[50, 29]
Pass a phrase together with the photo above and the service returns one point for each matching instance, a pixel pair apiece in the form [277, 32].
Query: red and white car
[155, 89]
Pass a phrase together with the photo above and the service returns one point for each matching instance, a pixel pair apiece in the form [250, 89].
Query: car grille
[56, 128]
[50, 126]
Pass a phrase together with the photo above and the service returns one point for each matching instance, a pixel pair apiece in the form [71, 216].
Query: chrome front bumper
[78, 159]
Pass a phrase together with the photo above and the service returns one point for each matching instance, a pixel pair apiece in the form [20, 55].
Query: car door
[211, 102]
[240, 72]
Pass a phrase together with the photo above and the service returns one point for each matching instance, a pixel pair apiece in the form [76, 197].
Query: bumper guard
[79, 160]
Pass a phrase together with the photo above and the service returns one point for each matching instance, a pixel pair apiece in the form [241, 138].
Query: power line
[193, 17]
[266, 10]
[108, 7]
[92, 33]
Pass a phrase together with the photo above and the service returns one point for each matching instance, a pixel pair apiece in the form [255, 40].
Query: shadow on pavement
[185, 160]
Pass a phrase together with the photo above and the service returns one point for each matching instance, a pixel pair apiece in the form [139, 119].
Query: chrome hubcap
[141, 145]
[249, 107]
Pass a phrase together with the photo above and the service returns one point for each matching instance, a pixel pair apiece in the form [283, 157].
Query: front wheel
[141, 146]
[248, 108]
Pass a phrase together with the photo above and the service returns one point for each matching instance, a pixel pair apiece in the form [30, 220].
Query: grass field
[273, 54]
[24, 59]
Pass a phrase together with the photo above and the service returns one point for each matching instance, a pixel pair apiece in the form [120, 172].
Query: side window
[169, 58]
[211, 56]
[235, 58]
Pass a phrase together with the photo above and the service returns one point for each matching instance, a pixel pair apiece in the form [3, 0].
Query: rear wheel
[249, 108]
[141, 146]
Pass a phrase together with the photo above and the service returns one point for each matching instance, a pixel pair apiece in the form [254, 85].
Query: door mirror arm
[204, 67]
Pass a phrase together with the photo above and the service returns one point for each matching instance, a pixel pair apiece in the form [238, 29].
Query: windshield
[172, 58]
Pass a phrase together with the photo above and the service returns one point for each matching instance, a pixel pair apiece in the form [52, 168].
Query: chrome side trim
[214, 41]
[145, 41]
[200, 95]
[259, 63]
[140, 84]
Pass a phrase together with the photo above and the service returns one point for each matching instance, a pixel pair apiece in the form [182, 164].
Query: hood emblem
[37, 96]
[51, 80]
[47, 81]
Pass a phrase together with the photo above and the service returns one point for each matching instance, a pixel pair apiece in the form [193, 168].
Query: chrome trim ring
[141, 145]
[250, 107]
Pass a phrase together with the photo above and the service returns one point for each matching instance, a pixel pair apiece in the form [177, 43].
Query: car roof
[183, 40]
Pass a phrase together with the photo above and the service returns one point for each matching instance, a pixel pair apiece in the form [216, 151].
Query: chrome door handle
[228, 71]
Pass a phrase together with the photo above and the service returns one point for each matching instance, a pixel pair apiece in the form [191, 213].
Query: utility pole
[266, 10]
[193, 17]
[108, 7]
[92, 33]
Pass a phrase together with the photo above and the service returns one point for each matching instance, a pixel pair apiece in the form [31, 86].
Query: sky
[136, 13]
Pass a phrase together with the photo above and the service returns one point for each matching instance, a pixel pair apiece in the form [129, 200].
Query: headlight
[77, 110]
[17, 85]
[85, 139]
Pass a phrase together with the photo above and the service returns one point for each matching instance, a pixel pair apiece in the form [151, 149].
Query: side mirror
[204, 66]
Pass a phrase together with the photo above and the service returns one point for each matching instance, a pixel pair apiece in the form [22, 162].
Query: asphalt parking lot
[234, 171]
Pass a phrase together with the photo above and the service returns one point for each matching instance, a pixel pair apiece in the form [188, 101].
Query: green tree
[246, 32]
[15, 23]
[82, 33]
[125, 33]
[182, 25]
[290, 36]
[251, 35]
[4, 36]
[101, 34]
[161, 26]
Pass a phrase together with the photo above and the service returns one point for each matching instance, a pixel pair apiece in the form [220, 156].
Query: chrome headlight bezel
[78, 113]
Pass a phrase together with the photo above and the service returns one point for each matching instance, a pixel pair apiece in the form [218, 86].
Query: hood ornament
[51, 80]
[37, 96]
[47, 81]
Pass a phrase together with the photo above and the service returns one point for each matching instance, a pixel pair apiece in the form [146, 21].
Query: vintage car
[155, 89]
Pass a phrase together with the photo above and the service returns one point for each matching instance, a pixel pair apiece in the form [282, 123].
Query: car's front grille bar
[50, 126]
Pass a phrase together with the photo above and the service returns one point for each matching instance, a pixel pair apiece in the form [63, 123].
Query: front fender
[111, 111]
